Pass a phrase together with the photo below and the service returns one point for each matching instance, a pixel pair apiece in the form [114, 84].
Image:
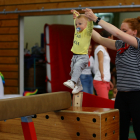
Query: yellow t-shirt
[82, 39]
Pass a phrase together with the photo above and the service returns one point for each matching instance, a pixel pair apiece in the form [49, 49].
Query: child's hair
[105, 34]
[134, 24]
[82, 16]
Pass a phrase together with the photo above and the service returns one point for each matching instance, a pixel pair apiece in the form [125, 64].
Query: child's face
[81, 23]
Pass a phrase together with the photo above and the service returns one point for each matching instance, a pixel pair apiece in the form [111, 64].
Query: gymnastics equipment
[133, 5]
[71, 123]
[74, 123]
[83, 99]
[81, 123]
[30, 105]
[27, 106]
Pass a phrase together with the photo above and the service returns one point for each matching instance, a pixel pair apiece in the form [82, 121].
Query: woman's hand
[89, 14]
[75, 13]
[102, 77]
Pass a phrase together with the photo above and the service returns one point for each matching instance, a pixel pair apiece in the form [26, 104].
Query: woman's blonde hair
[134, 24]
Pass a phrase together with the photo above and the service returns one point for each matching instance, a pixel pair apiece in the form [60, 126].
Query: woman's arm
[100, 61]
[109, 43]
[129, 39]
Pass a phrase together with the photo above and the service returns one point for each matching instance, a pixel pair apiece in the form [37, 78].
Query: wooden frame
[9, 29]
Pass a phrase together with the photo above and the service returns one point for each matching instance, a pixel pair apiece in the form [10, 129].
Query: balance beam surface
[29, 105]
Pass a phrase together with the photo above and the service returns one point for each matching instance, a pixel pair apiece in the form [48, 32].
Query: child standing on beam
[81, 43]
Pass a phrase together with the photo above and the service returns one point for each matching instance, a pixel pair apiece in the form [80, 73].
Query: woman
[128, 69]
[102, 76]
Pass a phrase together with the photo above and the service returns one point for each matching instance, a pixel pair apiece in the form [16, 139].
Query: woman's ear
[135, 33]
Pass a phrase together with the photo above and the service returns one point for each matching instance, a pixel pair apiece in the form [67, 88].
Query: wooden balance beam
[73, 123]
[27, 106]
[35, 104]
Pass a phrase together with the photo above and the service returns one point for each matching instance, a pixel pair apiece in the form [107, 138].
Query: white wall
[124, 15]
[34, 26]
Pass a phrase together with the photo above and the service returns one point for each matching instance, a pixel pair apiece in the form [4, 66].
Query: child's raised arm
[75, 13]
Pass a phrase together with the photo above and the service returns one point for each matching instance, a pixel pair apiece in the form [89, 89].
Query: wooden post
[83, 99]
[77, 99]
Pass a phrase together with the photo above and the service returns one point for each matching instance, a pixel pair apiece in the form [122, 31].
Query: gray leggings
[78, 63]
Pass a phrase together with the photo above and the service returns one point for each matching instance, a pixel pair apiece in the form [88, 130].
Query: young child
[81, 43]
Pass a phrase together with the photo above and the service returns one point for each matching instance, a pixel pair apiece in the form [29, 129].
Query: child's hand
[111, 86]
[75, 13]
[89, 14]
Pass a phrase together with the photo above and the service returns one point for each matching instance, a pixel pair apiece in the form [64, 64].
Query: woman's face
[125, 28]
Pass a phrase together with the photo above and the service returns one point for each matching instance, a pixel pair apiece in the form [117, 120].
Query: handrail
[76, 8]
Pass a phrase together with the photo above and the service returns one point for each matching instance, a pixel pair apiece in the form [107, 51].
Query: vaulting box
[79, 123]
[74, 123]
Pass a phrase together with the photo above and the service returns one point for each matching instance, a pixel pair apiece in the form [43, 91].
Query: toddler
[81, 43]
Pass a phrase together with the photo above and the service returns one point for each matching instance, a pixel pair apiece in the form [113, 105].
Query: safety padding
[83, 99]
[35, 104]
